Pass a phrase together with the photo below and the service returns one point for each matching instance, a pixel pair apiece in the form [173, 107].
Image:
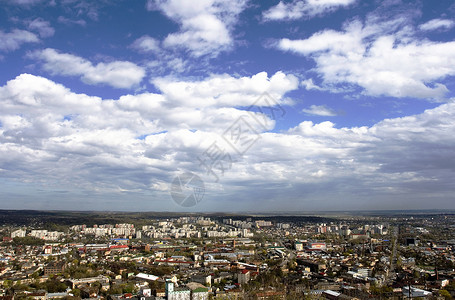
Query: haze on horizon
[329, 105]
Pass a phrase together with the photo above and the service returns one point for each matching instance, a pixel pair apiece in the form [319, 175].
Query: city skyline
[328, 105]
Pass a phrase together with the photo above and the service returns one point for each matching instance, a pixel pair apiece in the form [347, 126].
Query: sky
[271, 106]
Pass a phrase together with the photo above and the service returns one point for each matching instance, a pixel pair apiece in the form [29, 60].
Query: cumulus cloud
[75, 135]
[382, 60]
[57, 127]
[138, 143]
[118, 74]
[226, 90]
[10, 41]
[303, 9]
[205, 29]
[437, 24]
[320, 110]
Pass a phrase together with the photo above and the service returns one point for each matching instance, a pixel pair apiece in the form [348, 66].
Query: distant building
[198, 291]
[84, 281]
[145, 293]
[365, 272]
[359, 235]
[329, 294]
[262, 223]
[345, 231]
[414, 292]
[202, 279]
[38, 295]
[314, 266]
[40, 234]
[46, 235]
[316, 246]
[147, 277]
[244, 276]
[18, 233]
[283, 225]
[54, 268]
[121, 241]
[200, 294]
[177, 293]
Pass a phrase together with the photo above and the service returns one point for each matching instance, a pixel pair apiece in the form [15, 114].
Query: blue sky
[104, 103]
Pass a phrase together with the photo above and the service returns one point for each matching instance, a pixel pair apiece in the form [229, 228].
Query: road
[393, 258]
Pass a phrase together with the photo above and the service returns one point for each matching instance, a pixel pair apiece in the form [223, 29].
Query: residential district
[375, 257]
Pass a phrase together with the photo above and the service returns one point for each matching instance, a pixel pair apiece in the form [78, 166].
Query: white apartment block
[18, 233]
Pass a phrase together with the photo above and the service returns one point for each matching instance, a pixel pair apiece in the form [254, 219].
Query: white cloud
[118, 74]
[166, 64]
[45, 123]
[177, 64]
[42, 27]
[49, 111]
[205, 29]
[437, 24]
[303, 8]
[392, 160]
[147, 44]
[13, 40]
[308, 84]
[320, 110]
[53, 137]
[225, 90]
[382, 60]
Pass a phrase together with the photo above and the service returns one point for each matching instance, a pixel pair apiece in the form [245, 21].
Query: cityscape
[358, 256]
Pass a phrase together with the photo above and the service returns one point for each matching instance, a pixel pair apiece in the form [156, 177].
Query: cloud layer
[139, 142]
[256, 81]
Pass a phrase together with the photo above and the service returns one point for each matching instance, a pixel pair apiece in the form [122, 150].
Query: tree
[129, 288]
[55, 286]
[76, 292]
[116, 289]
[7, 283]
[35, 275]
[445, 294]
